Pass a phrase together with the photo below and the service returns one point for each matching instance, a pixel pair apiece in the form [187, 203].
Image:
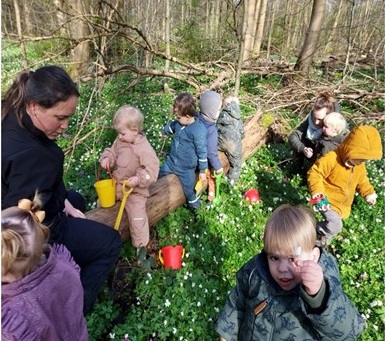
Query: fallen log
[166, 195]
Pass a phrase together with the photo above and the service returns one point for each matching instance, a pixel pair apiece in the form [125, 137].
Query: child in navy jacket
[188, 149]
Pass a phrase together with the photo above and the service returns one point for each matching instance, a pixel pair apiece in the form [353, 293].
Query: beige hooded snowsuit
[128, 160]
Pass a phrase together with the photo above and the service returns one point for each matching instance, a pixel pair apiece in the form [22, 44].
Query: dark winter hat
[210, 104]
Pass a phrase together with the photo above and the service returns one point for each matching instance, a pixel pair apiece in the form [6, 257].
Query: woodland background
[188, 40]
[276, 56]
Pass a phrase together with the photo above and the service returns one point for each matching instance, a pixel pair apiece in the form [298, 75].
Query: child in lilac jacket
[41, 292]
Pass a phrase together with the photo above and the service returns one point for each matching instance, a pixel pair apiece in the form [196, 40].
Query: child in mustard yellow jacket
[342, 172]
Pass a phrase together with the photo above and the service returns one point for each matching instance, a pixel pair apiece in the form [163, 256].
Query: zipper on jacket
[261, 306]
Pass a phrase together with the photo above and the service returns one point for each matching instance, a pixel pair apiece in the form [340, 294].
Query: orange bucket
[171, 256]
[106, 190]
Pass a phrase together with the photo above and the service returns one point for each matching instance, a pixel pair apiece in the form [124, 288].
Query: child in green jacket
[291, 290]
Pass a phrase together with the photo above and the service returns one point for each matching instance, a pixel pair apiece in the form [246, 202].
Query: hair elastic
[26, 204]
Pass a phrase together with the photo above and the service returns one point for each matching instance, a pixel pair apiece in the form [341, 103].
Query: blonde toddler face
[329, 131]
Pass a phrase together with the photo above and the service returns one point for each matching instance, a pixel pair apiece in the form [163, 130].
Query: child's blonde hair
[289, 227]
[128, 117]
[230, 98]
[336, 121]
[22, 237]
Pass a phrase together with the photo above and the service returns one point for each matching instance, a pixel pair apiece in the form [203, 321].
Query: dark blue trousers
[187, 179]
[95, 247]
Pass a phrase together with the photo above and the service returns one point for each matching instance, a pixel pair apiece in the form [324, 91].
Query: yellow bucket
[106, 191]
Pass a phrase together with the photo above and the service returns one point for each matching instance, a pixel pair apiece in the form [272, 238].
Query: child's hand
[219, 171]
[311, 275]
[371, 198]
[320, 202]
[202, 176]
[308, 152]
[133, 181]
[105, 163]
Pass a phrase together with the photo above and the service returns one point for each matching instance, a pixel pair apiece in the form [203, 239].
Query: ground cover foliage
[183, 305]
[139, 303]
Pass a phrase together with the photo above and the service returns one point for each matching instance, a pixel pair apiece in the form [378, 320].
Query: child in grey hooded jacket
[291, 290]
[210, 104]
[230, 135]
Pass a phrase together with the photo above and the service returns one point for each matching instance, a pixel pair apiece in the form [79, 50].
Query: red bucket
[252, 196]
[171, 256]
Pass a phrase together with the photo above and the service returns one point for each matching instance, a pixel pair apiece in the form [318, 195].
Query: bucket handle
[161, 257]
[108, 170]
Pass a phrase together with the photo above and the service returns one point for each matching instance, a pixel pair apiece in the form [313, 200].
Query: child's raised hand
[311, 275]
[133, 181]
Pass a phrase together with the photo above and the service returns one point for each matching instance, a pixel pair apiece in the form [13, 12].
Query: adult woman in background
[304, 138]
[36, 110]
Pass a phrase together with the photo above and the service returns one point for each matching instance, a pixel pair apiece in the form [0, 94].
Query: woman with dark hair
[304, 139]
[36, 110]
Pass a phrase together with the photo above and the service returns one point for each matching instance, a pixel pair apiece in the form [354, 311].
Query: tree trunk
[260, 29]
[20, 33]
[271, 27]
[256, 16]
[285, 46]
[166, 195]
[350, 37]
[167, 39]
[217, 15]
[332, 34]
[299, 28]
[60, 17]
[241, 52]
[310, 45]
[249, 19]
[27, 17]
[80, 31]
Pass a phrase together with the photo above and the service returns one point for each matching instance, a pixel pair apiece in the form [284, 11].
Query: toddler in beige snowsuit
[132, 158]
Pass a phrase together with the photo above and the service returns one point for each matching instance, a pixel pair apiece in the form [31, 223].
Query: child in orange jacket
[342, 172]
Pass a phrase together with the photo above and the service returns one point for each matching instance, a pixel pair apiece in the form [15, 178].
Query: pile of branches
[292, 93]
